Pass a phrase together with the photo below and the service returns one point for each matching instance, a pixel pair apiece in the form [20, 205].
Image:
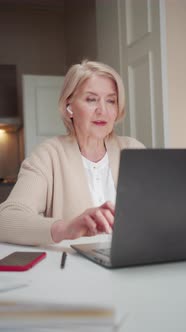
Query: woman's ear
[68, 109]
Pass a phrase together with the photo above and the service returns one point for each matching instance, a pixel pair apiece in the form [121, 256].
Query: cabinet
[5, 189]
[8, 91]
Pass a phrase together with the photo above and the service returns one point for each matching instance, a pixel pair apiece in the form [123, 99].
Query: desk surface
[151, 298]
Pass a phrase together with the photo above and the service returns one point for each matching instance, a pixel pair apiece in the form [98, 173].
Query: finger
[91, 226]
[109, 205]
[101, 222]
[108, 216]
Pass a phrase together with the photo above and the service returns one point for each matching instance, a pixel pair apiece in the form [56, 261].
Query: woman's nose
[101, 106]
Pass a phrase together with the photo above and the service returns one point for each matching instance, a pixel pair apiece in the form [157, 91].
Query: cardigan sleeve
[22, 215]
[130, 143]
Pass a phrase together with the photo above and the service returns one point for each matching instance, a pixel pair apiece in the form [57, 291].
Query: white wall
[80, 31]
[108, 32]
[108, 36]
[176, 70]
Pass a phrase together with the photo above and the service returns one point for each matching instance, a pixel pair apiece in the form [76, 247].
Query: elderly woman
[67, 187]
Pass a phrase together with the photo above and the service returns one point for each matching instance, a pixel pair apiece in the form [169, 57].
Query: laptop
[150, 215]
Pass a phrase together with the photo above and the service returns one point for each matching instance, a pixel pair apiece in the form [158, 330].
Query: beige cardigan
[52, 185]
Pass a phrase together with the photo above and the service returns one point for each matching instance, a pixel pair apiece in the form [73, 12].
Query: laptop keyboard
[103, 251]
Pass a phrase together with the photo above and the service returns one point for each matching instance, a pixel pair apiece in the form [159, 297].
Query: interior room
[92, 236]
[38, 39]
[43, 38]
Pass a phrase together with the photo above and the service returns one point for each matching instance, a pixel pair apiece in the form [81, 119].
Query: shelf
[11, 124]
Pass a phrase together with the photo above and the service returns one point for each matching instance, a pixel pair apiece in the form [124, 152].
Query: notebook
[150, 216]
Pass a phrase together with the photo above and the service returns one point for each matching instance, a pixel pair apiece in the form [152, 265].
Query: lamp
[10, 124]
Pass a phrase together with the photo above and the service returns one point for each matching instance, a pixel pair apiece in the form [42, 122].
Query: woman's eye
[91, 100]
[111, 101]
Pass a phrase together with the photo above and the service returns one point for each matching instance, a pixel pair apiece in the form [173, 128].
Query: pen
[63, 259]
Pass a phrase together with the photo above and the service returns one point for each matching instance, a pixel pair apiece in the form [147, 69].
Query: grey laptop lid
[150, 218]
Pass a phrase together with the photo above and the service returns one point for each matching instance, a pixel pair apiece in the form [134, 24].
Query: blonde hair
[76, 75]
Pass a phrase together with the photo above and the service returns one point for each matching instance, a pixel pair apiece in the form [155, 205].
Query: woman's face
[95, 107]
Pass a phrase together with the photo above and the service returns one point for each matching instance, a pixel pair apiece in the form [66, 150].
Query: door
[40, 109]
[141, 23]
[136, 37]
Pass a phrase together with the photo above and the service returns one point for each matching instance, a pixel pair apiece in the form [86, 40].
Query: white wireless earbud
[69, 110]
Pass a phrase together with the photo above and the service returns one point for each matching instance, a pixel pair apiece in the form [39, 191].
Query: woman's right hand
[93, 221]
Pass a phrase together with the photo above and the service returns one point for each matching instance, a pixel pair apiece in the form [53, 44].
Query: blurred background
[144, 40]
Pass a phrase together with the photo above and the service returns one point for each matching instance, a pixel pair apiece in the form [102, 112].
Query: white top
[100, 180]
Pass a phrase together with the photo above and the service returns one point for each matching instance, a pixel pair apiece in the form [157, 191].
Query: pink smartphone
[21, 260]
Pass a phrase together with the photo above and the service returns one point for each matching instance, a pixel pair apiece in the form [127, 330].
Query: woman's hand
[93, 221]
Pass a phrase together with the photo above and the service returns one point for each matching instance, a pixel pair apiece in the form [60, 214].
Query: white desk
[152, 298]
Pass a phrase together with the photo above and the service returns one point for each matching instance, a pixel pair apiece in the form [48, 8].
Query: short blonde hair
[76, 75]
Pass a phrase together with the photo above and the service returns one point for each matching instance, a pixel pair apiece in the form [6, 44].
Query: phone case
[21, 260]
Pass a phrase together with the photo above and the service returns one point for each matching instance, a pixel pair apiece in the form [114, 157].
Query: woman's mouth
[99, 123]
